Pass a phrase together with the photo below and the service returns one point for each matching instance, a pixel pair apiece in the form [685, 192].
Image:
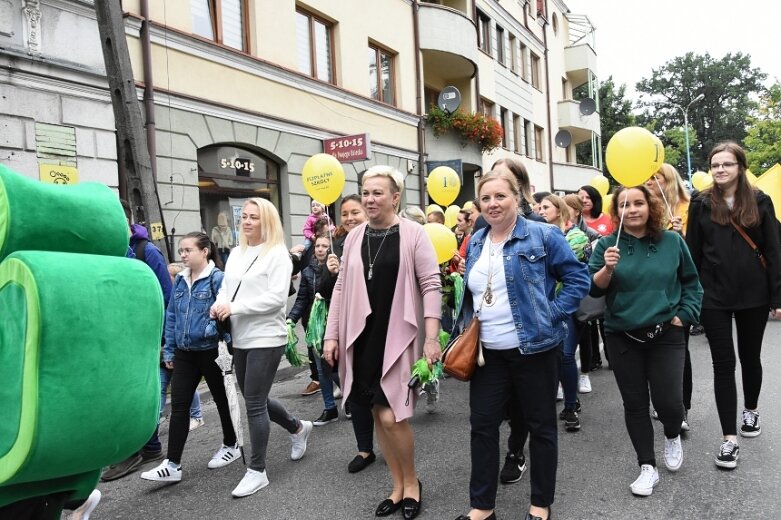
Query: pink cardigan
[417, 296]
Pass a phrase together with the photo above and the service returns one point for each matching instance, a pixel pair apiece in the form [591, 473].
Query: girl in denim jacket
[190, 350]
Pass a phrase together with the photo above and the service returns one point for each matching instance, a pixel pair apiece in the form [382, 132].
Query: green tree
[763, 140]
[729, 87]
[674, 140]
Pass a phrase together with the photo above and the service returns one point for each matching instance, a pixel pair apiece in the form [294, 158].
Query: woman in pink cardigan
[389, 281]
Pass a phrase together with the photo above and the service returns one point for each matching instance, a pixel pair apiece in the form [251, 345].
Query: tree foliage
[729, 86]
[763, 140]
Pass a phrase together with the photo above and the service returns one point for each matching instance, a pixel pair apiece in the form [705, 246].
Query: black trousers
[189, 367]
[363, 425]
[750, 325]
[658, 366]
[533, 379]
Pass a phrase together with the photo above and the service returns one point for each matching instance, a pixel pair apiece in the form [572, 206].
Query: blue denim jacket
[187, 322]
[535, 257]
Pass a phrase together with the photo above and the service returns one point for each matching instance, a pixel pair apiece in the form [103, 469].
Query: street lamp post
[686, 131]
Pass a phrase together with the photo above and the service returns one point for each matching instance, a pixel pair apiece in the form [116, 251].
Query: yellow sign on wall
[157, 230]
[56, 174]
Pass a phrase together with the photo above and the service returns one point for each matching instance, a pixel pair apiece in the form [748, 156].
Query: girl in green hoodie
[652, 293]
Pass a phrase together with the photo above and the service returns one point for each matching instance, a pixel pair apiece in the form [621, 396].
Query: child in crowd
[318, 213]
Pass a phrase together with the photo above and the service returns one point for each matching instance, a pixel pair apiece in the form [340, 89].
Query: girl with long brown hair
[733, 236]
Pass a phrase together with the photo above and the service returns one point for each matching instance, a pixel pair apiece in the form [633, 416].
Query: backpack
[140, 249]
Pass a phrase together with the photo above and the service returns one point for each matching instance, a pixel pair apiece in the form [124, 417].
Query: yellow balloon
[444, 241]
[601, 184]
[323, 178]
[468, 205]
[701, 180]
[607, 202]
[633, 155]
[752, 179]
[432, 208]
[451, 216]
[443, 185]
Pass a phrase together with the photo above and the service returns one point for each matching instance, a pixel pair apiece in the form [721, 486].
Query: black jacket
[730, 271]
[307, 288]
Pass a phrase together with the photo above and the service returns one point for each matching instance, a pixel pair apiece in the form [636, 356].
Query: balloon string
[664, 198]
[330, 238]
[621, 223]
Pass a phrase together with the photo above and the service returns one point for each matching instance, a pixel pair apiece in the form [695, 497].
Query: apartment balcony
[570, 177]
[578, 61]
[448, 43]
[452, 145]
[579, 125]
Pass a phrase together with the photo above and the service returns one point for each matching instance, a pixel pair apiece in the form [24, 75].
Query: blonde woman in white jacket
[254, 297]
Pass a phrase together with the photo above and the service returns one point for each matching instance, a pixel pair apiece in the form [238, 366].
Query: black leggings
[189, 367]
[750, 325]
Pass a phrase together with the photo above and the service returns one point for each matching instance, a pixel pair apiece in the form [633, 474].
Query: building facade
[242, 92]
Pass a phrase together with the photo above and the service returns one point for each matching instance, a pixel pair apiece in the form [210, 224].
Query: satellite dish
[449, 99]
[588, 106]
[563, 138]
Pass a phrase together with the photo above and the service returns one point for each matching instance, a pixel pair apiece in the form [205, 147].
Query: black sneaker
[750, 426]
[328, 416]
[728, 455]
[577, 409]
[571, 420]
[514, 468]
[348, 412]
[359, 463]
[696, 330]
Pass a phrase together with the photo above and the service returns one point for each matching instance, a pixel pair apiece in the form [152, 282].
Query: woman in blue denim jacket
[512, 269]
[190, 350]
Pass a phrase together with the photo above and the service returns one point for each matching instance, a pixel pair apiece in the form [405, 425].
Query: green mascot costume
[80, 329]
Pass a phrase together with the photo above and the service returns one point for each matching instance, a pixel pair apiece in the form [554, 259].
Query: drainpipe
[149, 111]
[547, 94]
[419, 102]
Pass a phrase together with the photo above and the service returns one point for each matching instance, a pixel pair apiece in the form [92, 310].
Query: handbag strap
[239, 286]
[750, 242]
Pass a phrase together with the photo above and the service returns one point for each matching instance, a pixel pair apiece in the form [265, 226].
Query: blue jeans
[165, 380]
[569, 368]
[327, 380]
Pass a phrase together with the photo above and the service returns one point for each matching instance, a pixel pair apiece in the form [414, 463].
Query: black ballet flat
[387, 507]
[465, 517]
[410, 506]
[530, 516]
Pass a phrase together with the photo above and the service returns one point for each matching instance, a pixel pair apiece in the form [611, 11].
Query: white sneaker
[673, 453]
[685, 422]
[337, 393]
[252, 482]
[86, 509]
[224, 456]
[196, 423]
[299, 440]
[646, 482]
[584, 384]
[166, 472]
[560, 393]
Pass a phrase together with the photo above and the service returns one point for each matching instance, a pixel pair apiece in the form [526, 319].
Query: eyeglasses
[725, 165]
[185, 250]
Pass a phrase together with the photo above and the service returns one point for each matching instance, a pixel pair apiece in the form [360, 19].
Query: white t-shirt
[258, 312]
[497, 327]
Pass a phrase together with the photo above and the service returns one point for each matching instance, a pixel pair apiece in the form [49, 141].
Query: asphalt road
[596, 465]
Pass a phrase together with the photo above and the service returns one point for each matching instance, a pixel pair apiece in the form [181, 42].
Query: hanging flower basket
[474, 127]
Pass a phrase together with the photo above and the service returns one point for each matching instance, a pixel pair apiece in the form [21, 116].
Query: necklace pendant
[488, 297]
[371, 272]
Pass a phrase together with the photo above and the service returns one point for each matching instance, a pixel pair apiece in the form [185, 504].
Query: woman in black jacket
[740, 280]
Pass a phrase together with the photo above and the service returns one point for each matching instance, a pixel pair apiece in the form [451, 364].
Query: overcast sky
[634, 37]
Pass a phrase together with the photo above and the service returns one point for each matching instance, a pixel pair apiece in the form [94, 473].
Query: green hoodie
[654, 281]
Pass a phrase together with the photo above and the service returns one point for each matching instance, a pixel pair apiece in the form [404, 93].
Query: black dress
[369, 348]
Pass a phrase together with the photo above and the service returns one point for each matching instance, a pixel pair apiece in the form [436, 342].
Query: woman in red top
[592, 211]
